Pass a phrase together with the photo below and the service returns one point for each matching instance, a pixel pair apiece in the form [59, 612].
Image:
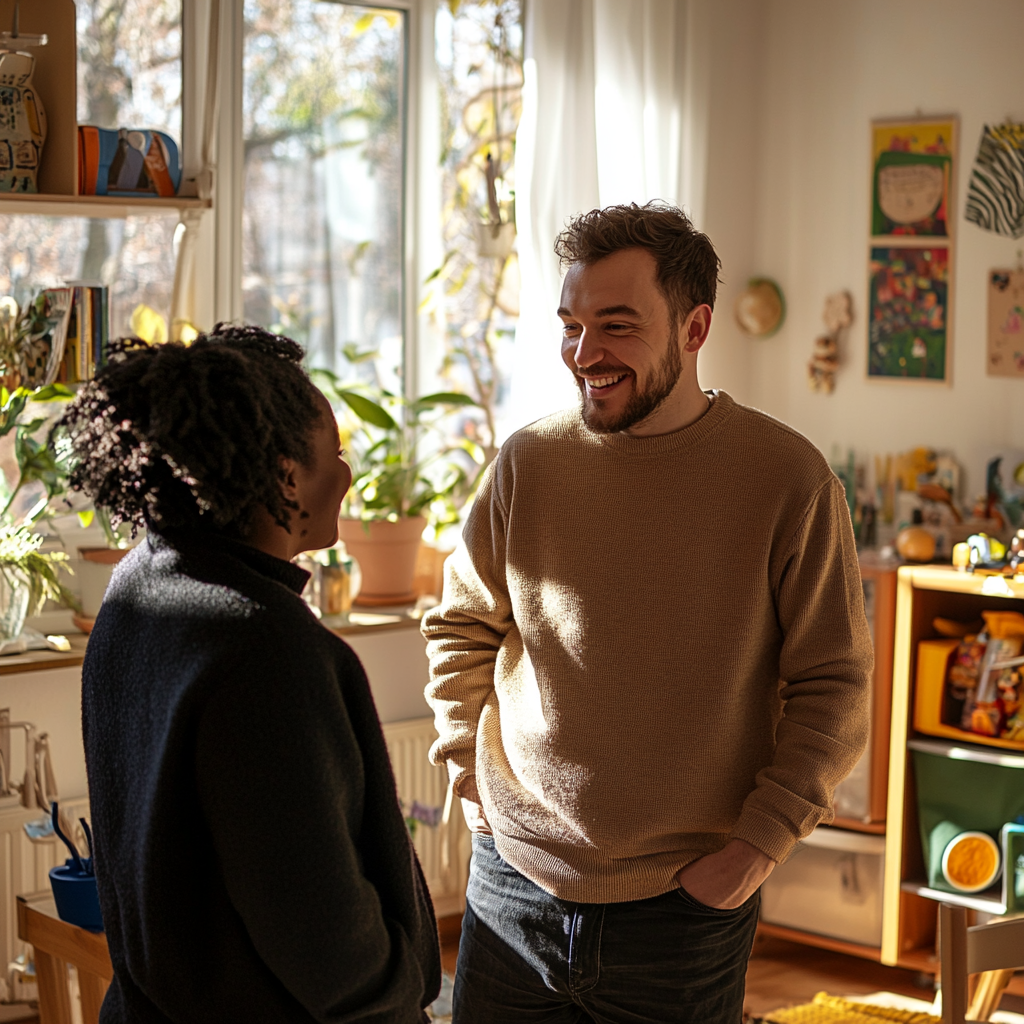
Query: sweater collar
[720, 409]
[273, 568]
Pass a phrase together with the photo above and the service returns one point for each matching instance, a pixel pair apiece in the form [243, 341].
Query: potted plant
[28, 575]
[406, 474]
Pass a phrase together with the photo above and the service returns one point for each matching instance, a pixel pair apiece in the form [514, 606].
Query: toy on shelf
[970, 684]
[127, 162]
[22, 118]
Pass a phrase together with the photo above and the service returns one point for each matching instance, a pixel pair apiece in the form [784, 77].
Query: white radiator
[420, 783]
[25, 868]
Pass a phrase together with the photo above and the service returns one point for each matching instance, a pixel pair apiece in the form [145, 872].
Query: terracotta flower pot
[94, 574]
[386, 553]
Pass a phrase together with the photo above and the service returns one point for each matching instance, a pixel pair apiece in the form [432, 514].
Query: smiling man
[650, 667]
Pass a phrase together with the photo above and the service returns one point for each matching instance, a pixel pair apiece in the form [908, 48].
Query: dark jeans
[526, 956]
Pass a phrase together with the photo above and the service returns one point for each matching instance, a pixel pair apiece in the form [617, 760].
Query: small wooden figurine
[821, 370]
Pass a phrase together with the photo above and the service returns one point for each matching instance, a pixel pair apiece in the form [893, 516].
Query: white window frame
[217, 287]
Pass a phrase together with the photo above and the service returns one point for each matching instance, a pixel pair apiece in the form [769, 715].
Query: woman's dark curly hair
[169, 436]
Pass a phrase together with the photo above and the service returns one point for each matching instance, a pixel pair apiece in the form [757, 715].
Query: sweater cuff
[764, 833]
[461, 766]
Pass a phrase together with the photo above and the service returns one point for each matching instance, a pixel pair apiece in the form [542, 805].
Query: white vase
[22, 123]
[14, 597]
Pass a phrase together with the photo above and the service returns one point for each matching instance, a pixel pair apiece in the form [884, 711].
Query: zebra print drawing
[995, 199]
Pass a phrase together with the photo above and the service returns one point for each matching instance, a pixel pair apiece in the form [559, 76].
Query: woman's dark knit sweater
[252, 860]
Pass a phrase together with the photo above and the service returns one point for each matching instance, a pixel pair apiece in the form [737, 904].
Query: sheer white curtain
[614, 111]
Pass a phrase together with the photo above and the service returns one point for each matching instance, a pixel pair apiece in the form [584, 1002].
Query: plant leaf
[455, 398]
[367, 411]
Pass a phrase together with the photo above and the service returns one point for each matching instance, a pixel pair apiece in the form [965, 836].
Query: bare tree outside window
[322, 217]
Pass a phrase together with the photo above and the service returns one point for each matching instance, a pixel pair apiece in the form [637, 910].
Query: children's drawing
[908, 327]
[1005, 357]
[912, 173]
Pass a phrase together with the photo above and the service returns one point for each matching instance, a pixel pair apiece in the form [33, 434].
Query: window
[129, 75]
[323, 177]
[480, 68]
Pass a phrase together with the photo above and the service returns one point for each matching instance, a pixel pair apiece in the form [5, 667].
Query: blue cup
[76, 897]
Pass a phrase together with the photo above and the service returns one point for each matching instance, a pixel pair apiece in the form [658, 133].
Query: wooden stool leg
[54, 995]
[92, 989]
[991, 985]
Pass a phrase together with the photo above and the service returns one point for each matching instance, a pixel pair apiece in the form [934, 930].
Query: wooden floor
[783, 973]
[780, 974]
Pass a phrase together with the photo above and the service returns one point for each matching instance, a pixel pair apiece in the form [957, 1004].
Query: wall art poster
[1005, 323]
[912, 174]
[908, 313]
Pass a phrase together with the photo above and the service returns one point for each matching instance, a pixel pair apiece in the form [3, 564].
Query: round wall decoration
[760, 308]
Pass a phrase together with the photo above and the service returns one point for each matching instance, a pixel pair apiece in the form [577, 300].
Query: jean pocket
[695, 904]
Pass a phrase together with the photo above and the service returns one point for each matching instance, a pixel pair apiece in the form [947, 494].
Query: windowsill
[372, 621]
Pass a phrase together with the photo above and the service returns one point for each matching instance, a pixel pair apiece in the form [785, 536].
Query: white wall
[803, 79]
[730, 211]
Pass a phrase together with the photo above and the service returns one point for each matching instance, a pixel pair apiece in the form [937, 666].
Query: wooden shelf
[114, 207]
[779, 931]
[35, 661]
[910, 904]
[989, 901]
[922, 959]
[874, 828]
[966, 752]
[950, 580]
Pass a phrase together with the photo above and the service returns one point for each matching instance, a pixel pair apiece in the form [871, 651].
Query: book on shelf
[87, 337]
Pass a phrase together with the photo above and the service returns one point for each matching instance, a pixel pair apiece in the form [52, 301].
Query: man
[650, 667]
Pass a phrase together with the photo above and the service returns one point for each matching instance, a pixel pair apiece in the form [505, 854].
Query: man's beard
[641, 403]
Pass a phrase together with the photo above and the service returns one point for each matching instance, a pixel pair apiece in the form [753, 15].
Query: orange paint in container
[970, 862]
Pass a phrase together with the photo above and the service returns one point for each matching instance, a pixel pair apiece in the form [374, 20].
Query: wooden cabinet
[909, 905]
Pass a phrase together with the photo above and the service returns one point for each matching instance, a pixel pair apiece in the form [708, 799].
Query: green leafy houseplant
[29, 576]
[407, 473]
[403, 463]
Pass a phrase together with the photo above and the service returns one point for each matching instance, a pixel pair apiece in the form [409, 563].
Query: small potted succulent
[406, 475]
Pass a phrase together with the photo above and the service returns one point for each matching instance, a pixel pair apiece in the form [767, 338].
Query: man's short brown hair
[687, 263]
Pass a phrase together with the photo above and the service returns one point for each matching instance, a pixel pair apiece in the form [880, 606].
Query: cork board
[1005, 357]
[55, 80]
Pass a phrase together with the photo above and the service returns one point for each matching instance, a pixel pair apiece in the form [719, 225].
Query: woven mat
[826, 1009]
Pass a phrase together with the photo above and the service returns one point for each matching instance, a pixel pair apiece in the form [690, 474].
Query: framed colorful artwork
[908, 312]
[912, 177]
[1005, 323]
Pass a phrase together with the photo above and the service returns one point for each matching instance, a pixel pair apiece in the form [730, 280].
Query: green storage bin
[976, 796]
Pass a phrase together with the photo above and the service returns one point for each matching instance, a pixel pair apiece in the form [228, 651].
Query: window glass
[480, 65]
[133, 257]
[129, 64]
[323, 113]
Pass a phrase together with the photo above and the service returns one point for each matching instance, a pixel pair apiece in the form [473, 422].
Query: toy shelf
[114, 207]
[910, 905]
[777, 931]
[873, 828]
[989, 901]
[966, 752]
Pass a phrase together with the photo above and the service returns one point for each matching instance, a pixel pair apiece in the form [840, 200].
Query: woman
[252, 861]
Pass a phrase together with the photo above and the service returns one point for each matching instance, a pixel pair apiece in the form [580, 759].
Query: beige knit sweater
[649, 645]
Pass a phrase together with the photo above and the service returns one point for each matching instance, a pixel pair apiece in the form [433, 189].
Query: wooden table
[56, 945]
